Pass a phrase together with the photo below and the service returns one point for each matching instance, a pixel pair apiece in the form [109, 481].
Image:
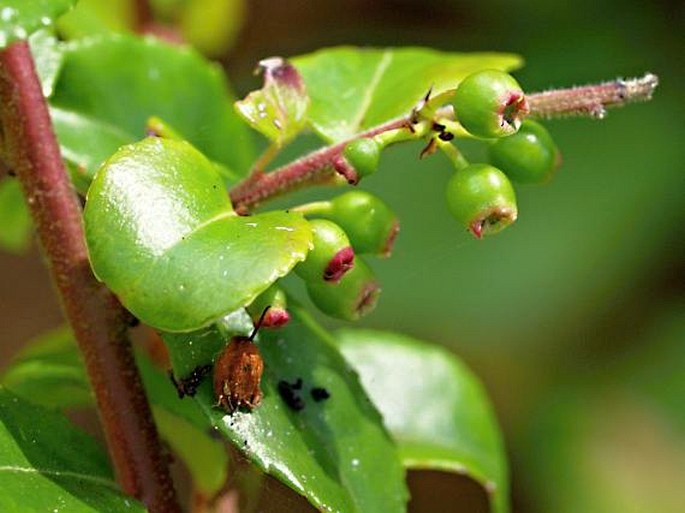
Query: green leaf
[92, 17]
[48, 465]
[15, 235]
[435, 408]
[20, 18]
[50, 363]
[116, 82]
[353, 89]
[279, 109]
[53, 363]
[163, 236]
[336, 452]
[47, 57]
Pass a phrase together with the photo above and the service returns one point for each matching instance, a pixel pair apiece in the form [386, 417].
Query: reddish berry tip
[341, 262]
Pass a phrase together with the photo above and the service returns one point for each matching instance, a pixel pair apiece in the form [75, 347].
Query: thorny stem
[319, 167]
[96, 318]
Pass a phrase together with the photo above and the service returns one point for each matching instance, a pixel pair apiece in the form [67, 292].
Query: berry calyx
[331, 255]
[363, 155]
[354, 296]
[369, 223]
[482, 198]
[529, 156]
[490, 104]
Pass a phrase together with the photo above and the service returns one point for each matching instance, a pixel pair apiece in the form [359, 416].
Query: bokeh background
[575, 317]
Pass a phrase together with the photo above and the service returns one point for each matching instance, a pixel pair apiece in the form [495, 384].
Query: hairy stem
[96, 318]
[592, 100]
[317, 168]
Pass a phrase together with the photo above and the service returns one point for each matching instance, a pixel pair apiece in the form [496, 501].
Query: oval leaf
[20, 18]
[435, 408]
[163, 236]
[117, 82]
[48, 465]
[352, 89]
[335, 452]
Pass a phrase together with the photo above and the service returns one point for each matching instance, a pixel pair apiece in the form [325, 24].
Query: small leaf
[278, 110]
[353, 89]
[435, 408]
[164, 238]
[48, 465]
[113, 84]
[15, 235]
[20, 18]
[335, 452]
[50, 363]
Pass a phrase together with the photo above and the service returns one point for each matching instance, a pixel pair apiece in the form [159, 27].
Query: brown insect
[238, 373]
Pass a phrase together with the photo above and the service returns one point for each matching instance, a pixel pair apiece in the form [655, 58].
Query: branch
[317, 168]
[96, 318]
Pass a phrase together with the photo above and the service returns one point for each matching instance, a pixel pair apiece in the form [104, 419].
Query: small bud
[331, 255]
[277, 315]
[490, 104]
[529, 156]
[363, 155]
[354, 296]
[482, 198]
[369, 223]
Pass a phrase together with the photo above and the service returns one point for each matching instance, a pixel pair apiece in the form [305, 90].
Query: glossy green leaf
[356, 88]
[47, 465]
[112, 84]
[47, 57]
[434, 407]
[20, 18]
[334, 452]
[49, 371]
[15, 235]
[162, 234]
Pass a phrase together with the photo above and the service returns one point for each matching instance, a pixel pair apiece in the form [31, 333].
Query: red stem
[317, 168]
[96, 318]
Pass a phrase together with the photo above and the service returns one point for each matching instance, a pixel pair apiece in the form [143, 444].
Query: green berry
[331, 255]
[529, 156]
[363, 155]
[352, 297]
[482, 198]
[369, 223]
[490, 104]
[277, 314]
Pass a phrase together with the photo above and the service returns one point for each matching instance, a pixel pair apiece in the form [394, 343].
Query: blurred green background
[575, 317]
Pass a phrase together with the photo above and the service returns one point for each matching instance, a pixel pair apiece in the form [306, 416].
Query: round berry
[363, 155]
[529, 156]
[482, 198]
[331, 255]
[354, 296]
[276, 301]
[369, 223]
[490, 104]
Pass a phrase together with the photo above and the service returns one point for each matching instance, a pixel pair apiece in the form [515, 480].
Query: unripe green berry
[529, 156]
[363, 155]
[354, 296]
[277, 314]
[331, 255]
[369, 223]
[490, 104]
[482, 198]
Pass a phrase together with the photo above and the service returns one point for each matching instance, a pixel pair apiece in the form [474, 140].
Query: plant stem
[96, 317]
[317, 168]
[144, 17]
[592, 100]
